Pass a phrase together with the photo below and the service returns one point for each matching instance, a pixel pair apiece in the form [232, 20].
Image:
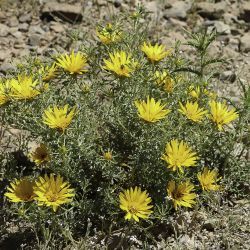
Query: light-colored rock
[4, 54]
[210, 10]
[25, 18]
[36, 29]
[13, 21]
[18, 35]
[24, 27]
[6, 66]
[34, 39]
[245, 43]
[57, 27]
[4, 30]
[178, 10]
[222, 28]
[67, 12]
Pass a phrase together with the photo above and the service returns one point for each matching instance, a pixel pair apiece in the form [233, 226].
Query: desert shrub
[121, 113]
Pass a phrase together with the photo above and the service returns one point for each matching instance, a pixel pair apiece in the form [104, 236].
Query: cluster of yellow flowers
[50, 191]
[53, 191]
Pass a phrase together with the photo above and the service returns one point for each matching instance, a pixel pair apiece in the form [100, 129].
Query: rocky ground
[43, 27]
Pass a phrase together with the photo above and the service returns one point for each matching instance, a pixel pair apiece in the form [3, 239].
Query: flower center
[133, 210]
[51, 197]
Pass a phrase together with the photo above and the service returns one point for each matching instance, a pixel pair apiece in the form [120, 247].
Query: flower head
[109, 34]
[40, 155]
[21, 190]
[195, 92]
[221, 115]
[208, 179]
[181, 194]
[164, 79]
[135, 203]
[75, 63]
[151, 111]
[120, 63]
[4, 92]
[192, 111]
[49, 72]
[58, 117]
[179, 155]
[108, 155]
[24, 88]
[154, 53]
[52, 191]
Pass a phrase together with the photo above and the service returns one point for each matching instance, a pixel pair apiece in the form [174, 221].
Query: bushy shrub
[122, 127]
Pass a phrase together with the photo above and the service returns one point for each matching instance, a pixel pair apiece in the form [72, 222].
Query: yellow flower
[21, 190]
[181, 194]
[108, 155]
[154, 53]
[151, 111]
[195, 92]
[58, 117]
[120, 63]
[108, 34]
[40, 155]
[221, 115]
[4, 92]
[49, 72]
[24, 88]
[73, 63]
[163, 79]
[52, 191]
[135, 203]
[192, 111]
[208, 179]
[179, 155]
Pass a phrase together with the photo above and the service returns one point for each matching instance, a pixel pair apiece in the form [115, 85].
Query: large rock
[178, 10]
[245, 43]
[245, 11]
[66, 12]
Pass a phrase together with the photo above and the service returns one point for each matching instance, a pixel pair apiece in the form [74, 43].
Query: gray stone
[66, 12]
[57, 27]
[209, 10]
[17, 35]
[176, 22]
[245, 11]
[34, 39]
[13, 21]
[25, 18]
[4, 54]
[24, 27]
[230, 53]
[178, 10]
[6, 66]
[36, 29]
[4, 30]
[222, 28]
[2, 15]
[234, 43]
[245, 43]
